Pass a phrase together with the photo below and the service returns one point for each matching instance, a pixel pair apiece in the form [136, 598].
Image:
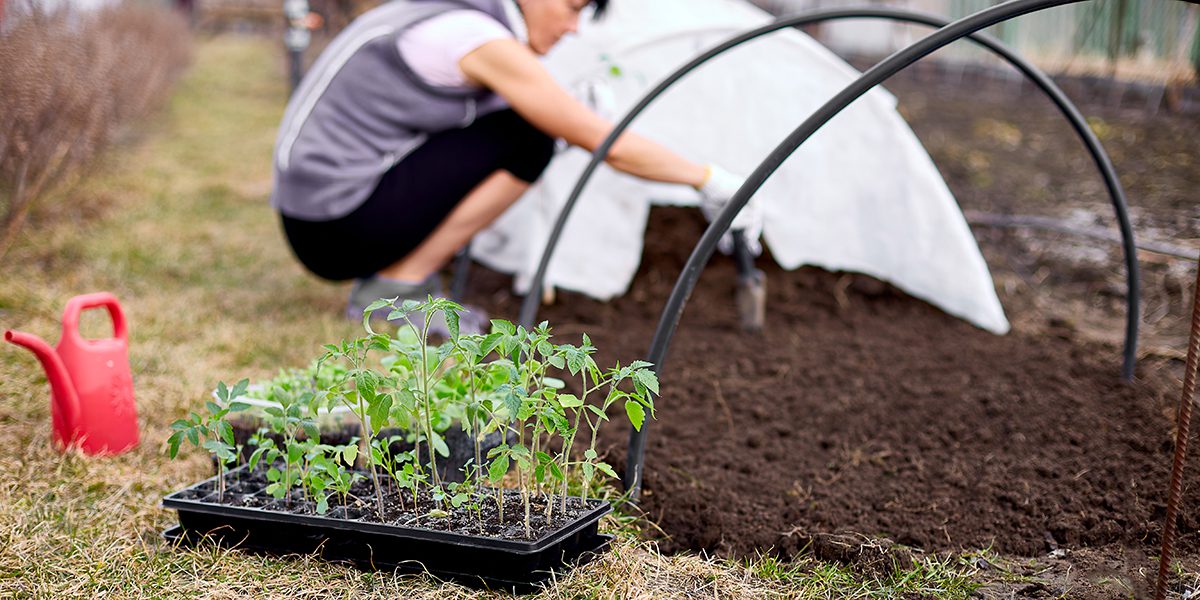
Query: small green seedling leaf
[226, 431]
[648, 379]
[637, 414]
[439, 445]
[498, 468]
[606, 469]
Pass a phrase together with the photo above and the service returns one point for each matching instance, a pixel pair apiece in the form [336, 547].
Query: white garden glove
[716, 192]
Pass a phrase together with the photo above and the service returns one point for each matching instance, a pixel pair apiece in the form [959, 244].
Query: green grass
[187, 242]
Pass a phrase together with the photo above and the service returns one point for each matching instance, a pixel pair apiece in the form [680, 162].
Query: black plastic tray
[514, 565]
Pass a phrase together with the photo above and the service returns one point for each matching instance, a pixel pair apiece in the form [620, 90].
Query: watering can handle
[98, 300]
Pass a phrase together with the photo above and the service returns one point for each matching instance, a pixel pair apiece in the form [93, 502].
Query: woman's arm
[512, 71]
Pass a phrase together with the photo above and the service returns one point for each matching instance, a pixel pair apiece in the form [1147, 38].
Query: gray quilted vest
[360, 109]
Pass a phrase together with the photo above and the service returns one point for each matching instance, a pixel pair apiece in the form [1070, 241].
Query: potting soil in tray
[247, 489]
[860, 410]
[459, 545]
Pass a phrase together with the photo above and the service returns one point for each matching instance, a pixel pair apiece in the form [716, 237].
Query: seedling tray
[514, 565]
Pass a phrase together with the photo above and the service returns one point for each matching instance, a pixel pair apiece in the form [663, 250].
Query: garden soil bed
[860, 410]
[864, 414]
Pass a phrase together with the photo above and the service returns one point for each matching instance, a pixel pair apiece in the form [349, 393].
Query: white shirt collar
[517, 20]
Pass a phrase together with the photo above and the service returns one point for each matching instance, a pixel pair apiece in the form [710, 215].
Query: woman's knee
[530, 150]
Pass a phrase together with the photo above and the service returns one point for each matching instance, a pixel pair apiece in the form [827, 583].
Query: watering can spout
[61, 387]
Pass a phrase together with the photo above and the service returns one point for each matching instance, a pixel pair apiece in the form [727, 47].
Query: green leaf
[239, 390]
[323, 505]
[193, 436]
[498, 468]
[378, 304]
[589, 454]
[607, 470]
[378, 411]
[350, 454]
[181, 424]
[238, 406]
[555, 422]
[569, 401]
[365, 382]
[637, 414]
[520, 452]
[489, 343]
[226, 431]
[512, 402]
[588, 471]
[405, 399]
[222, 392]
[555, 471]
[575, 359]
[459, 499]
[173, 443]
[213, 407]
[556, 361]
[648, 379]
[294, 453]
[502, 326]
[440, 446]
[255, 457]
[311, 430]
[452, 323]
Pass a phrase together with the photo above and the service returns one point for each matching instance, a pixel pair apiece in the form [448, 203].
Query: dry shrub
[70, 82]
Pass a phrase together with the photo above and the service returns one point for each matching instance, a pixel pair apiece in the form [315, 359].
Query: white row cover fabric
[860, 195]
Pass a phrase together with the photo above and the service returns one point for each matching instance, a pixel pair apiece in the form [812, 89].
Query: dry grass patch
[211, 292]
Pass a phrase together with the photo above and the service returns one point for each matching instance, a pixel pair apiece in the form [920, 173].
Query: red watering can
[91, 388]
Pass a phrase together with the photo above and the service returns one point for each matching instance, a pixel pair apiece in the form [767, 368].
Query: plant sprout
[506, 382]
[213, 429]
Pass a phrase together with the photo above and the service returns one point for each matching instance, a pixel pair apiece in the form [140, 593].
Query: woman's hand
[511, 70]
[716, 192]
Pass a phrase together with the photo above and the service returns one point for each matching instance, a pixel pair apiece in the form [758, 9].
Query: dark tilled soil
[861, 410]
[863, 414]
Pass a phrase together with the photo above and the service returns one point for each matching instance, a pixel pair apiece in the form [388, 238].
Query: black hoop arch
[965, 27]
[529, 305]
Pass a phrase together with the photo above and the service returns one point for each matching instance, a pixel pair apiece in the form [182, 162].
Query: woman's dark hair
[601, 6]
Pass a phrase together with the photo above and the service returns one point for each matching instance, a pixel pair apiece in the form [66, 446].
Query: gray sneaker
[366, 291]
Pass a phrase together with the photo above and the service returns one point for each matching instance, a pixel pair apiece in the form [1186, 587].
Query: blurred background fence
[1150, 41]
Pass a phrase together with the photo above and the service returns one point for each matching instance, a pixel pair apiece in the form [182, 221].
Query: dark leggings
[417, 194]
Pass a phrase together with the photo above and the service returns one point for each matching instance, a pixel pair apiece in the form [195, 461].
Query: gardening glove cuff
[716, 191]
